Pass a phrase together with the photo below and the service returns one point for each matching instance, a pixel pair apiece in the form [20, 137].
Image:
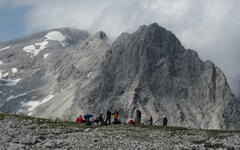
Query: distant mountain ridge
[148, 70]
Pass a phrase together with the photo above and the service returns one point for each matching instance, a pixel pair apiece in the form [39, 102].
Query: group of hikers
[88, 119]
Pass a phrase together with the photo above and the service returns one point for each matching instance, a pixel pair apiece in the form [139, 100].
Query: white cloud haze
[211, 27]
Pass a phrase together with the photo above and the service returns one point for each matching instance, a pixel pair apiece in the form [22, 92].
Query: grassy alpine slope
[25, 132]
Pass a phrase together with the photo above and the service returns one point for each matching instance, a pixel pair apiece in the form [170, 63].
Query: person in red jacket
[131, 122]
[80, 119]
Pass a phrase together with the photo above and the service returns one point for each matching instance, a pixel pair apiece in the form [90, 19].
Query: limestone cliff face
[148, 70]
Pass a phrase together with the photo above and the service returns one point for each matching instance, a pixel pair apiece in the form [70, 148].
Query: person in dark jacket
[138, 117]
[165, 120]
[150, 120]
[87, 119]
[99, 120]
[108, 119]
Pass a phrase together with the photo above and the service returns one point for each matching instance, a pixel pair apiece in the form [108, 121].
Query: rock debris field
[24, 133]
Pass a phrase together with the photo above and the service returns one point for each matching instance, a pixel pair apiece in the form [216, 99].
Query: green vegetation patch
[2, 116]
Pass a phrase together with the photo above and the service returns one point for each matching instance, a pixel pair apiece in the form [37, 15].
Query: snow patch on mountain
[29, 49]
[4, 81]
[42, 45]
[2, 49]
[12, 82]
[33, 50]
[56, 36]
[33, 104]
[1, 62]
[45, 55]
[3, 75]
[89, 75]
[14, 70]
[16, 96]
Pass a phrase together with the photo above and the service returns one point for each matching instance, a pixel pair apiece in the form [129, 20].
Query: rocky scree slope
[23, 132]
[43, 67]
[148, 69]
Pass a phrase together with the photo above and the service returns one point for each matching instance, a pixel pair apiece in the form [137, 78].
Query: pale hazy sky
[211, 27]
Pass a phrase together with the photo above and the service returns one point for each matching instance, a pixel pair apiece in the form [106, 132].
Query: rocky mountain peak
[154, 27]
[153, 41]
[99, 35]
[148, 69]
[157, 36]
[95, 41]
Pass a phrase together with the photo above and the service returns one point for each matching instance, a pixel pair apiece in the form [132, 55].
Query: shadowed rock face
[148, 70]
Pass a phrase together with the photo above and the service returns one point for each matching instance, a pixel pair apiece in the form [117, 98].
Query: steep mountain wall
[148, 70]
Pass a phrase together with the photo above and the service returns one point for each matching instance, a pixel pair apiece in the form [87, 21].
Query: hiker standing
[116, 117]
[108, 119]
[151, 120]
[165, 120]
[99, 120]
[138, 116]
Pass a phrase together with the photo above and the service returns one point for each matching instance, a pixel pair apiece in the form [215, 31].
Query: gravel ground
[23, 133]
